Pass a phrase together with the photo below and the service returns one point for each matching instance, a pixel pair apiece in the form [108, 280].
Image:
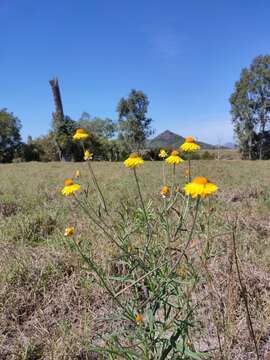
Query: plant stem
[97, 223]
[189, 237]
[96, 182]
[97, 186]
[94, 268]
[174, 177]
[189, 169]
[144, 210]
[139, 191]
[163, 170]
[244, 294]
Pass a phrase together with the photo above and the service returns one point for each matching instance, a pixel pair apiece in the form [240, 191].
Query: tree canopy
[10, 137]
[250, 109]
[103, 128]
[134, 126]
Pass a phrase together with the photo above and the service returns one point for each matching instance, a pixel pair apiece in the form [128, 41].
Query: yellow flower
[190, 145]
[139, 319]
[80, 134]
[133, 161]
[174, 158]
[162, 154]
[69, 187]
[165, 191]
[200, 187]
[77, 174]
[88, 155]
[69, 231]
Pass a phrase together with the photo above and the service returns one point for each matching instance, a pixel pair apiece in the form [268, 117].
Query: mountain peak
[168, 139]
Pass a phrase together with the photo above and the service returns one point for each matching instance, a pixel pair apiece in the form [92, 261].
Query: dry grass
[50, 305]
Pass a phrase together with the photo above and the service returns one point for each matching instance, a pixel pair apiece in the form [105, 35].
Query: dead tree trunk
[58, 115]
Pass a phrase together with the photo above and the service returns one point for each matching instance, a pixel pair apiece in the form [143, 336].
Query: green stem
[97, 186]
[140, 194]
[189, 237]
[96, 182]
[84, 208]
[174, 178]
[163, 170]
[189, 169]
[94, 267]
[145, 213]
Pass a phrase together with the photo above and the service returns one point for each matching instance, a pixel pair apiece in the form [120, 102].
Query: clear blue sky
[185, 55]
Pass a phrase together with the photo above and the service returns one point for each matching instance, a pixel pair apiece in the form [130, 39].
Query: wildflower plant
[189, 147]
[152, 294]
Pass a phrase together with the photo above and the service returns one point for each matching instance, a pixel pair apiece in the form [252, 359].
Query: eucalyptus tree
[250, 108]
[134, 126]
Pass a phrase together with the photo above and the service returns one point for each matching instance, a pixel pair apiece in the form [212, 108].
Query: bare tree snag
[58, 115]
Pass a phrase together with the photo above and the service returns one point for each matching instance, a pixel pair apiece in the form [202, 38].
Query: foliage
[134, 126]
[63, 138]
[153, 283]
[42, 148]
[102, 128]
[250, 109]
[10, 138]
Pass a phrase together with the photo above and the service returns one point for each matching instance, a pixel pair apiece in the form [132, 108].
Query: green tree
[102, 128]
[45, 147]
[10, 138]
[250, 109]
[134, 126]
[64, 139]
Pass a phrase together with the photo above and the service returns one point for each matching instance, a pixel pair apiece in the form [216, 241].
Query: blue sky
[185, 55]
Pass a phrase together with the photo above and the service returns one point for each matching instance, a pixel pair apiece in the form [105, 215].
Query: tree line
[114, 140]
[109, 140]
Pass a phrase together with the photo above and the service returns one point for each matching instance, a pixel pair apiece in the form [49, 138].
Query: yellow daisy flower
[200, 187]
[77, 174]
[69, 231]
[162, 154]
[139, 319]
[190, 145]
[80, 134]
[165, 191]
[133, 161]
[88, 155]
[69, 187]
[174, 158]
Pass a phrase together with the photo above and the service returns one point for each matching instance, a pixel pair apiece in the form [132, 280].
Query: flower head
[165, 191]
[174, 158]
[88, 155]
[190, 145]
[133, 161]
[77, 174]
[162, 154]
[200, 187]
[69, 187]
[139, 319]
[69, 231]
[80, 134]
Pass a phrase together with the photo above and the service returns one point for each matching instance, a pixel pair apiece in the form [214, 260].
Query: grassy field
[49, 303]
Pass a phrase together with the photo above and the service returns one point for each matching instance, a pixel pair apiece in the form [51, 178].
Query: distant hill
[168, 139]
[229, 145]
